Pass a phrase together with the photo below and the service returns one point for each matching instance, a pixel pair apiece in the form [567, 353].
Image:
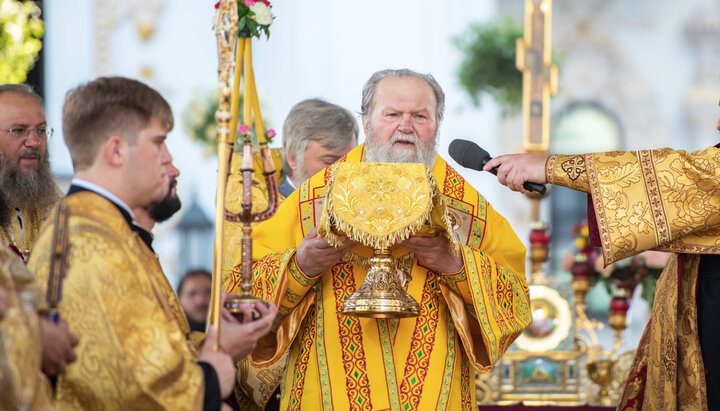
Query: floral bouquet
[255, 17]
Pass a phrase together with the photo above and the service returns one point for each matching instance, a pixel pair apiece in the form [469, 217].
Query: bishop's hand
[315, 255]
[434, 253]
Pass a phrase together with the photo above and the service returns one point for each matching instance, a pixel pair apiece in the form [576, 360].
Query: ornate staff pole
[236, 53]
[226, 21]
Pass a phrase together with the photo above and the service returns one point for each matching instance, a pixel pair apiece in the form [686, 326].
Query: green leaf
[20, 32]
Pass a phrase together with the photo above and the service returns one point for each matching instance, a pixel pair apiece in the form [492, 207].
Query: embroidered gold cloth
[381, 204]
[665, 200]
[22, 384]
[468, 319]
[134, 351]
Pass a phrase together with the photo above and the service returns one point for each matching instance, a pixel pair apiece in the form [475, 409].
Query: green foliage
[488, 66]
[248, 26]
[199, 119]
[20, 32]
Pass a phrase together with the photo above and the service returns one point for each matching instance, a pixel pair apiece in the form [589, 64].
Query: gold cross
[534, 59]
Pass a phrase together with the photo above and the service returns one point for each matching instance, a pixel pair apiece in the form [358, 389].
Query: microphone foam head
[468, 154]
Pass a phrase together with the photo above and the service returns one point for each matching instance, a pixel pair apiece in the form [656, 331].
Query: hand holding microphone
[519, 172]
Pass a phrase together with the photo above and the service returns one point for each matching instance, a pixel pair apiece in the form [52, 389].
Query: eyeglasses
[23, 132]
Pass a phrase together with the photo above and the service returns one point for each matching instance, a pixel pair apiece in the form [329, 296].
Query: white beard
[385, 152]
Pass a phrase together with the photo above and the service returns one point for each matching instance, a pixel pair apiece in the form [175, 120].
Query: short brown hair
[107, 106]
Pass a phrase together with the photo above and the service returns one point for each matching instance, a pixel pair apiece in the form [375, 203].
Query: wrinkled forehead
[405, 92]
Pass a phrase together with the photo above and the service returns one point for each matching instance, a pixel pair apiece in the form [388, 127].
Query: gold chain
[13, 235]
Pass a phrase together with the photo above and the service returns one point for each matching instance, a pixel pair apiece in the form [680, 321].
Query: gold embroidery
[574, 167]
[567, 171]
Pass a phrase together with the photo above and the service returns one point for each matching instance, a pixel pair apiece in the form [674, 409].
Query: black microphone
[471, 155]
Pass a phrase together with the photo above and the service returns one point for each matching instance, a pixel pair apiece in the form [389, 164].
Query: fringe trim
[435, 211]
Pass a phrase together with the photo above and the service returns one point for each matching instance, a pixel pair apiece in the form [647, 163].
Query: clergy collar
[105, 193]
[79, 185]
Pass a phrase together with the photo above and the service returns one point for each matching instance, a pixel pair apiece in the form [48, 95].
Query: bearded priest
[473, 302]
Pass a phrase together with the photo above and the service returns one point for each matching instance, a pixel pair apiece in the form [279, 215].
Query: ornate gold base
[238, 306]
[601, 373]
[381, 294]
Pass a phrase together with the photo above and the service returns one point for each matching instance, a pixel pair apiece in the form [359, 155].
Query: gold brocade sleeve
[567, 171]
[663, 199]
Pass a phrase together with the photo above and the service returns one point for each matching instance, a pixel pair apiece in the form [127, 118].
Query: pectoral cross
[534, 59]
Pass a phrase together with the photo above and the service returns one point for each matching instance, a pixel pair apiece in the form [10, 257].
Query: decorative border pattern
[265, 273]
[454, 185]
[351, 343]
[652, 188]
[386, 344]
[325, 385]
[291, 296]
[452, 280]
[307, 214]
[465, 386]
[298, 275]
[421, 346]
[449, 364]
[602, 222]
[477, 288]
[301, 364]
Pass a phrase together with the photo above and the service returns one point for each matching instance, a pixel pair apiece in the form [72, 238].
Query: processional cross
[534, 59]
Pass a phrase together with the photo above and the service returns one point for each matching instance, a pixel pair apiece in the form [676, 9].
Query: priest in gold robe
[26, 182]
[666, 200]
[22, 385]
[473, 303]
[134, 351]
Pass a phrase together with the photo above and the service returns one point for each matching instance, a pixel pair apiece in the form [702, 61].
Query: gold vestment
[468, 318]
[134, 351]
[665, 200]
[21, 238]
[22, 384]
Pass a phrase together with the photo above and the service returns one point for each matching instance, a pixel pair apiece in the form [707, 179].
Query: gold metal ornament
[379, 205]
[234, 65]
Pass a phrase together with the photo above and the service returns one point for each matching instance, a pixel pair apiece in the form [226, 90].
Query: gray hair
[23, 90]
[317, 120]
[368, 92]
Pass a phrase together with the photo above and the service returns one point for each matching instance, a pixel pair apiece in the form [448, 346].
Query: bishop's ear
[291, 159]
[364, 124]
